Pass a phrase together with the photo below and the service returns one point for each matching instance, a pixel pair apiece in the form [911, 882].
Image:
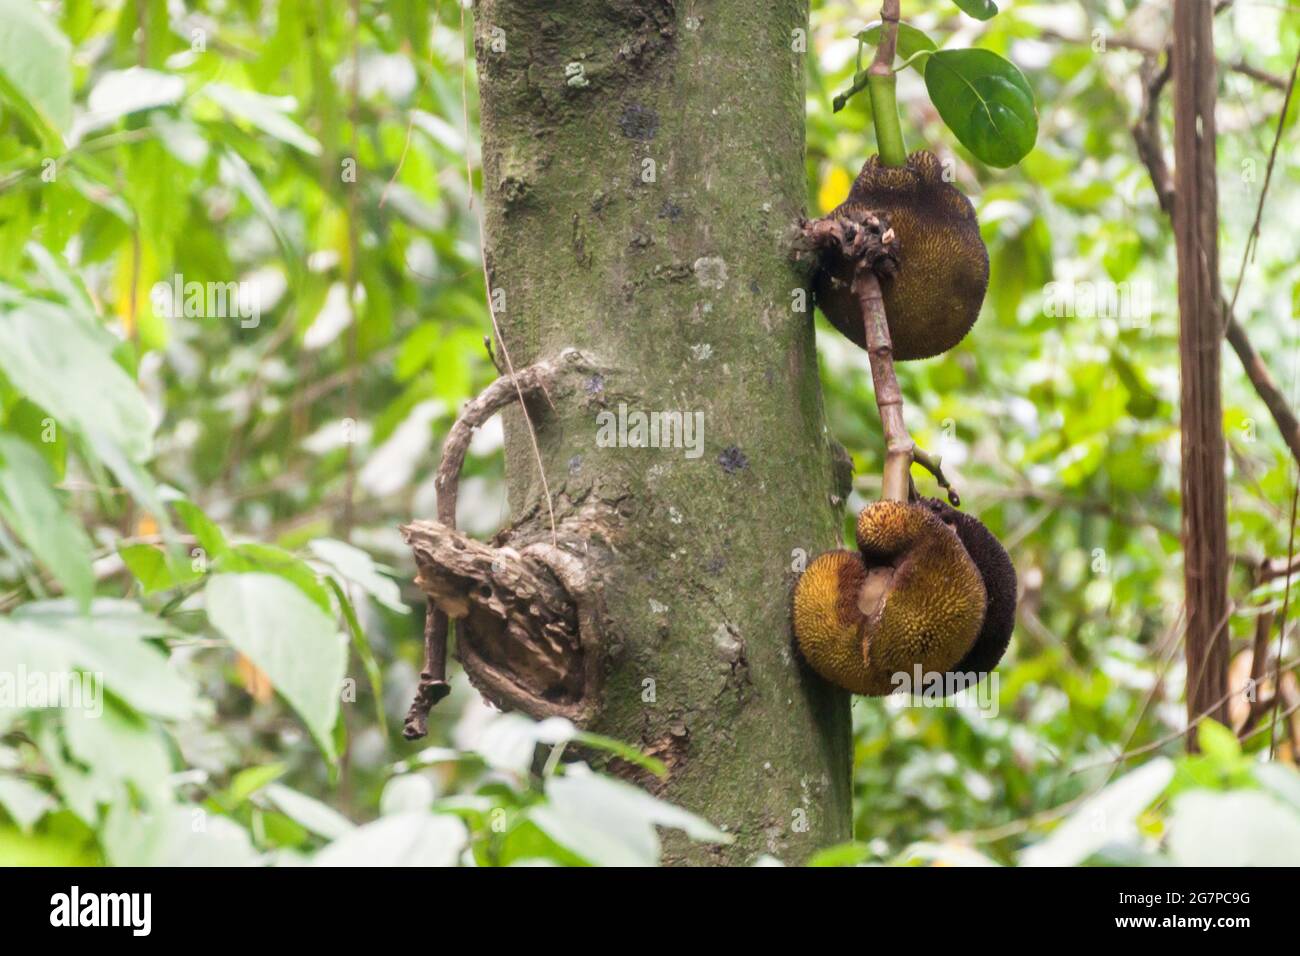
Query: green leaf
[622, 750]
[1218, 743]
[204, 528]
[38, 428]
[525, 843]
[63, 363]
[288, 636]
[148, 565]
[35, 68]
[267, 113]
[1281, 781]
[362, 647]
[1108, 817]
[842, 854]
[612, 823]
[1239, 828]
[911, 41]
[979, 9]
[358, 567]
[66, 283]
[404, 839]
[154, 568]
[986, 102]
[317, 817]
[248, 781]
[254, 556]
[33, 509]
[113, 642]
[25, 802]
[119, 746]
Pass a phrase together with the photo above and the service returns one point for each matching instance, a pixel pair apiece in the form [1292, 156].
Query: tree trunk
[1205, 548]
[643, 172]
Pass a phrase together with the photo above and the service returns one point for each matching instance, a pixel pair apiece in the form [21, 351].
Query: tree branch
[1150, 149]
[896, 483]
[530, 382]
[1204, 498]
[1125, 43]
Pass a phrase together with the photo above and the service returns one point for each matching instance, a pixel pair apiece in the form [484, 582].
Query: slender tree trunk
[643, 170]
[1205, 547]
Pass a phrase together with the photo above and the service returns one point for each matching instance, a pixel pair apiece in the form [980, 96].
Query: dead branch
[496, 599]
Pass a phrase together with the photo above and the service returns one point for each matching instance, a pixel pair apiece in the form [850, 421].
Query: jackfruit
[999, 576]
[933, 296]
[910, 596]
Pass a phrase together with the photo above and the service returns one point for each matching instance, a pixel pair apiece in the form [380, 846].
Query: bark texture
[643, 172]
[1205, 547]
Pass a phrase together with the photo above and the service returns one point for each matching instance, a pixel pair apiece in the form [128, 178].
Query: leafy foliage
[199, 489]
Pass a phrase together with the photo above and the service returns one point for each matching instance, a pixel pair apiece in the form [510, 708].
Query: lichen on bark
[643, 169]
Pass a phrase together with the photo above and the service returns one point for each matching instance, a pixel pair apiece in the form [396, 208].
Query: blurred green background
[204, 510]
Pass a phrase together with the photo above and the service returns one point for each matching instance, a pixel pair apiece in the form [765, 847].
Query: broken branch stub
[529, 618]
[527, 621]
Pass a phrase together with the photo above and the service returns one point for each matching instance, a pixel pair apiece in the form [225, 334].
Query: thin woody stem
[934, 465]
[899, 447]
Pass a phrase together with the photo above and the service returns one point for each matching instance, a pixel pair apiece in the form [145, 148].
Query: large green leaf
[53, 638]
[33, 509]
[63, 363]
[35, 67]
[287, 635]
[612, 823]
[1108, 817]
[986, 102]
[404, 839]
[1240, 828]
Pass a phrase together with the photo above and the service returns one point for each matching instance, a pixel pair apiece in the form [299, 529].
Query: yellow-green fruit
[911, 597]
[934, 296]
[828, 625]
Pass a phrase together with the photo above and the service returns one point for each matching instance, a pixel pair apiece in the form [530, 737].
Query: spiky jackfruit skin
[828, 625]
[911, 597]
[999, 576]
[934, 296]
[934, 607]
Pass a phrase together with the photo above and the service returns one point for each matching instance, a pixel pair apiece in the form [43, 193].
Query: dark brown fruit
[934, 295]
[999, 576]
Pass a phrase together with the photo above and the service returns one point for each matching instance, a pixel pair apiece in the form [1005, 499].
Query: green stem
[884, 111]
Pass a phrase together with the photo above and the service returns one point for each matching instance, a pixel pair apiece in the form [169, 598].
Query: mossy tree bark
[643, 172]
